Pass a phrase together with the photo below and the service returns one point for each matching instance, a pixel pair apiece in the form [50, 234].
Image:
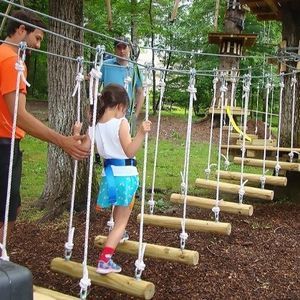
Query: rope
[281, 85]
[246, 94]
[223, 90]
[227, 162]
[185, 174]
[256, 112]
[95, 77]
[20, 67]
[161, 85]
[139, 263]
[77, 90]
[271, 109]
[293, 85]
[209, 165]
[263, 177]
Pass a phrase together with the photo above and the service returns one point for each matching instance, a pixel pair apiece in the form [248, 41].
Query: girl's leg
[121, 217]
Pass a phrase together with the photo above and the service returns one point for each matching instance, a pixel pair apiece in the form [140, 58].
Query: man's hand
[78, 146]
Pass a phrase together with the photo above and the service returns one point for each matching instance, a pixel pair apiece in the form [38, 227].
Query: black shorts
[15, 198]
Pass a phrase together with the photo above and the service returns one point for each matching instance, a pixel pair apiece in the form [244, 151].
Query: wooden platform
[190, 225]
[260, 148]
[206, 203]
[234, 189]
[188, 257]
[268, 163]
[40, 293]
[254, 178]
[118, 282]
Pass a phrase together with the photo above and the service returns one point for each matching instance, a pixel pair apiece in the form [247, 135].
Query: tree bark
[232, 24]
[290, 33]
[62, 108]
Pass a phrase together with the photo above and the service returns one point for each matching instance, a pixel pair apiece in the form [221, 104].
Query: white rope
[230, 127]
[139, 263]
[263, 177]
[246, 95]
[79, 78]
[293, 85]
[161, 85]
[209, 165]
[185, 174]
[256, 111]
[223, 90]
[20, 67]
[85, 282]
[271, 110]
[277, 166]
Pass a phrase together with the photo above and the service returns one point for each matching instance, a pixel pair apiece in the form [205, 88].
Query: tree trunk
[62, 108]
[233, 21]
[290, 33]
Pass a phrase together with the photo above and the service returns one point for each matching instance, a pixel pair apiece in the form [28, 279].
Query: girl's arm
[131, 146]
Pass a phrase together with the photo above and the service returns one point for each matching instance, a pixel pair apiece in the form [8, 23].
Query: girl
[119, 177]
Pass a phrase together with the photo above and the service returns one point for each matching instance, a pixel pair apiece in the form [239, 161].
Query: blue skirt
[126, 187]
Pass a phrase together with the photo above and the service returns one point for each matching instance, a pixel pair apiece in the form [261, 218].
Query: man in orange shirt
[16, 33]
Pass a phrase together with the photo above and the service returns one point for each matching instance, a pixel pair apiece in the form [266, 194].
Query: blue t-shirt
[112, 72]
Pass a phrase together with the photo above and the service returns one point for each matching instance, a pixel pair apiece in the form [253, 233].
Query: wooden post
[118, 282]
[190, 225]
[298, 63]
[175, 9]
[234, 189]
[283, 65]
[225, 206]
[269, 163]
[40, 293]
[216, 15]
[188, 257]
[109, 14]
[255, 178]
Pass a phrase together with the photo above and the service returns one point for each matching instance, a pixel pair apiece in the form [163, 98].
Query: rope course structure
[135, 286]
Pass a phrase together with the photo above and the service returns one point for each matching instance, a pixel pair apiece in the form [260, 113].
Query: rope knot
[19, 66]
[192, 89]
[96, 74]
[79, 77]
[223, 89]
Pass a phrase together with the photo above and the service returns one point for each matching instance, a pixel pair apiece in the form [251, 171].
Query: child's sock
[106, 254]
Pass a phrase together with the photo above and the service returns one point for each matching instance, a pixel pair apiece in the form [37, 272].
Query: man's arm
[36, 128]
[139, 97]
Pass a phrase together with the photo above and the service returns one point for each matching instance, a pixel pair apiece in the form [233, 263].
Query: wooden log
[236, 135]
[40, 293]
[190, 225]
[234, 189]
[255, 178]
[269, 163]
[118, 282]
[234, 111]
[261, 142]
[188, 257]
[260, 148]
[206, 203]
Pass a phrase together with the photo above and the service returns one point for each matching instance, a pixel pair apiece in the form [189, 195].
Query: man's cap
[121, 40]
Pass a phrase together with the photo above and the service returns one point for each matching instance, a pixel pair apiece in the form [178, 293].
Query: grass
[170, 164]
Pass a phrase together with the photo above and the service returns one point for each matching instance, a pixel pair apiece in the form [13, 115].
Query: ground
[260, 259]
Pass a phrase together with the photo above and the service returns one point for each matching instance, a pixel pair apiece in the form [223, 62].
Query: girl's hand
[145, 127]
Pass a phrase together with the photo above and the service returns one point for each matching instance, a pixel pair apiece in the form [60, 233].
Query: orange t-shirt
[8, 81]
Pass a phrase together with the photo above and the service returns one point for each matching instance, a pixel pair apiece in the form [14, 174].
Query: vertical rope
[151, 202]
[281, 84]
[263, 177]
[209, 165]
[256, 112]
[293, 84]
[139, 263]
[20, 67]
[185, 175]
[79, 78]
[96, 75]
[271, 111]
[246, 94]
[234, 80]
[223, 89]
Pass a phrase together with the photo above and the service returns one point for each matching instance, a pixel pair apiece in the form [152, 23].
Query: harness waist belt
[119, 162]
[7, 141]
